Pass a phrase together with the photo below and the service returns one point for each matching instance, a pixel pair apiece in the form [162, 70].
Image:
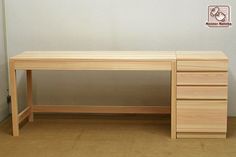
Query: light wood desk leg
[173, 100]
[29, 93]
[14, 105]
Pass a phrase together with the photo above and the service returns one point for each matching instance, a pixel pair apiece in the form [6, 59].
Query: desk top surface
[96, 55]
[121, 55]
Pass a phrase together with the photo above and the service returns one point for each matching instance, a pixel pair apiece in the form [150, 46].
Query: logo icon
[218, 16]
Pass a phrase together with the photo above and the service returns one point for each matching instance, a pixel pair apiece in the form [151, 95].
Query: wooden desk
[124, 60]
[131, 60]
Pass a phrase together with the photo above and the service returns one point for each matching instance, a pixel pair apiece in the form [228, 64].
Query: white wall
[113, 25]
[3, 70]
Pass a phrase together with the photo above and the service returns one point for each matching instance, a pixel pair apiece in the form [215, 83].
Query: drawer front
[202, 78]
[201, 116]
[202, 65]
[201, 92]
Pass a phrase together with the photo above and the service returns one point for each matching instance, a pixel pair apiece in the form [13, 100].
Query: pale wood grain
[201, 116]
[202, 78]
[186, 116]
[29, 93]
[202, 92]
[92, 60]
[101, 109]
[202, 65]
[200, 55]
[201, 135]
[14, 105]
[92, 65]
[24, 114]
[173, 100]
[96, 55]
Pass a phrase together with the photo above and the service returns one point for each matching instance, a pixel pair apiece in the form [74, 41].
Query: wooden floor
[108, 136]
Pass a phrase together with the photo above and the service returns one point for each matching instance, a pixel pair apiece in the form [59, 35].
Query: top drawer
[202, 65]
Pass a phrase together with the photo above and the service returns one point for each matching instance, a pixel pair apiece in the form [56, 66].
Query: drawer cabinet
[202, 91]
